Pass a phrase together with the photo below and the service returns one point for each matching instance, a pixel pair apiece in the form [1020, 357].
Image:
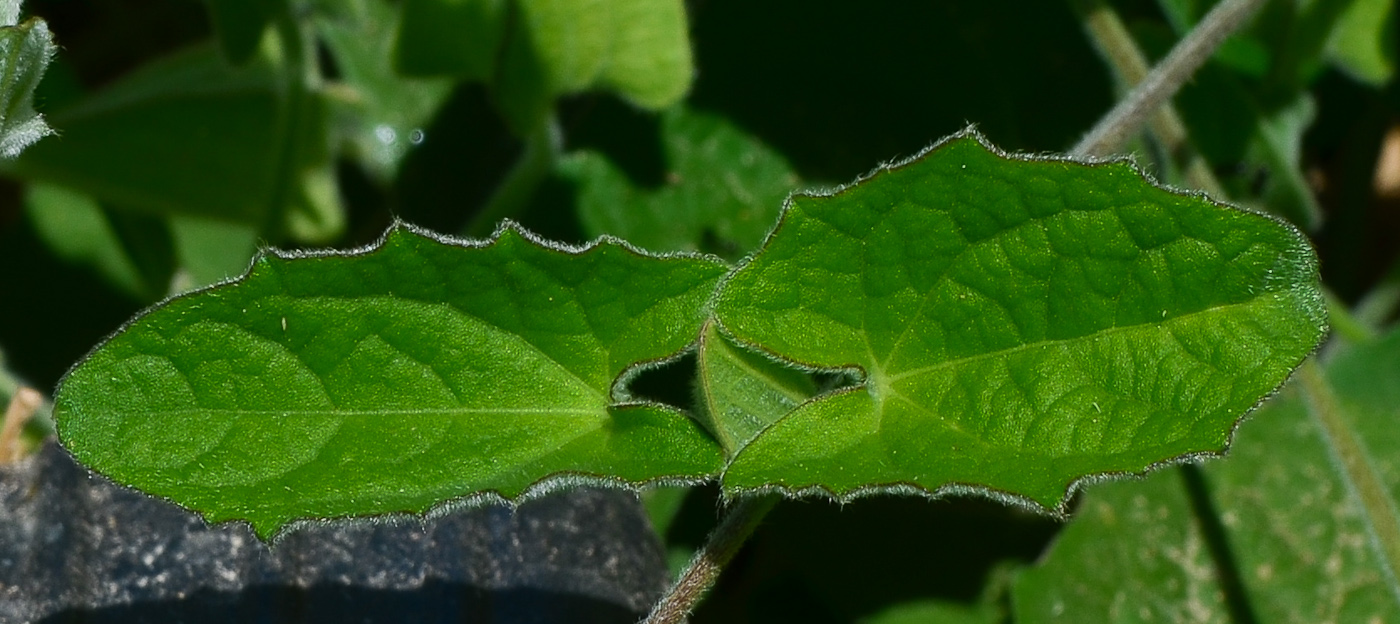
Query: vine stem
[1111, 36]
[1157, 88]
[702, 571]
[1361, 478]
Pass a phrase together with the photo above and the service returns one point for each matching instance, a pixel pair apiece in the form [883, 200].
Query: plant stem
[1107, 31]
[542, 149]
[1381, 519]
[721, 546]
[297, 50]
[1113, 131]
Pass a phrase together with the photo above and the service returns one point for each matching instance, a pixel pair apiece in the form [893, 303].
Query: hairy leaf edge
[549, 484]
[1317, 311]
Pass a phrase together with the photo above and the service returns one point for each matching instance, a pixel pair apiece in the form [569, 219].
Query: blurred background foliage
[190, 134]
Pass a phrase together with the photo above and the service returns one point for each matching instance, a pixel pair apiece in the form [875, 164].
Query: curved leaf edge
[549, 484]
[1061, 511]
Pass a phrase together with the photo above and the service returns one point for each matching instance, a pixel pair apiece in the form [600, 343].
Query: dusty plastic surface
[76, 548]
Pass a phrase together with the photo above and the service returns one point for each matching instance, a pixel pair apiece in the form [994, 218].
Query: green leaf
[393, 379]
[1295, 532]
[639, 48]
[76, 229]
[723, 191]
[742, 392]
[188, 135]
[458, 38]
[241, 23]
[25, 50]
[1363, 41]
[1132, 554]
[383, 114]
[182, 135]
[1021, 324]
[649, 60]
[211, 251]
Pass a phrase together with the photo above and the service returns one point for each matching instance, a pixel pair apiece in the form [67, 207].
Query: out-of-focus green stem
[542, 150]
[1378, 508]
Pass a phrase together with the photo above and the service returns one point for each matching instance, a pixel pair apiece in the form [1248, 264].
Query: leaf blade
[998, 307]
[266, 400]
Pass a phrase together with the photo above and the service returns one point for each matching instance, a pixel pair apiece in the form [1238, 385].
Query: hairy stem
[542, 149]
[1129, 63]
[1381, 518]
[702, 572]
[1114, 130]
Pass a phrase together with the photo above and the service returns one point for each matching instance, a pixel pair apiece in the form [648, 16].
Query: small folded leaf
[394, 379]
[1021, 324]
[742, 391]
[649, 60]
[1363, 41]
[25, 51]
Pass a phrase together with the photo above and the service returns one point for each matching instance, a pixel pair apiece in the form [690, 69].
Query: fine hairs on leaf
[1021, 324]
[1081, 386]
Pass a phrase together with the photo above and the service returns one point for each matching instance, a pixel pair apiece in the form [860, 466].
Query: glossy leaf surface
[1021, 324]
[1295, 532]
[395, 379]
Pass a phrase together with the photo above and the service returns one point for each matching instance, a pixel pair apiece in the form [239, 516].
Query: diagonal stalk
[542, 150]
[1378, 508]
[1157, 88]
[702, 571]
[1111, 36]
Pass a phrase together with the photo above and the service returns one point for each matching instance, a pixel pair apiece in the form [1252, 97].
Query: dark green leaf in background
[78, 230]
[722, 194]
[395, 379]
[199, 138]
[25, 50]
[382, 114]
[1021, 324]
[1364, 41]
[241, 24]
[639, 48]
[1132, 554]
[459, 38]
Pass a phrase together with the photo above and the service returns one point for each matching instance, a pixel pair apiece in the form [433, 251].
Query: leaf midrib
[1085, 337]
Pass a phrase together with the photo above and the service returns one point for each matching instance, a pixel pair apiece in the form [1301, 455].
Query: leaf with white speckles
[1021, 324]
[393, 379]
[1132, 554]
